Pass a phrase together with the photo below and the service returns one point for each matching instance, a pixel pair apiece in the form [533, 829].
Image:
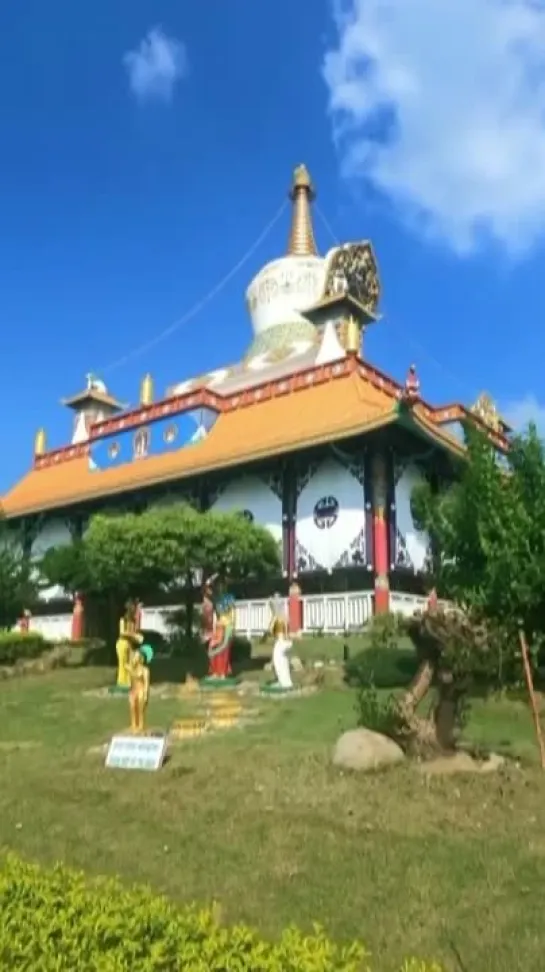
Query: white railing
[254, 617]
[337, 612]
[332, 613]
[157, 618]
[53, 627]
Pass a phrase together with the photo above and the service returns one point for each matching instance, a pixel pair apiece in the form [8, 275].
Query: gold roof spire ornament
[40, 442]
[301, 241]
[146, 390]
[352, 336]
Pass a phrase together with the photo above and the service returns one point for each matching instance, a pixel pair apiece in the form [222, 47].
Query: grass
[258, 820]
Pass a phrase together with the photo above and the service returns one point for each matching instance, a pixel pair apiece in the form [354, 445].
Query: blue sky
[146, 145]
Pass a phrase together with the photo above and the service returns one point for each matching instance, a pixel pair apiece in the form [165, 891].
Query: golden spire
[146, 390]
[301, 242]
[40, 443]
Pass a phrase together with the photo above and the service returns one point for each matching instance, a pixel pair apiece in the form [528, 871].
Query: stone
[364, 750]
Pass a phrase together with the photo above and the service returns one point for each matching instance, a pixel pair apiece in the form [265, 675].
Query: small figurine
[138, 675]
[412, 385]
[221, 641]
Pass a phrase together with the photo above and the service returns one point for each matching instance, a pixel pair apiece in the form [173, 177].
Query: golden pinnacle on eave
[301, 242]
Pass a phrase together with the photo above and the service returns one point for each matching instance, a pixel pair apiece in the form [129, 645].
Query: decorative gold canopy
[301, 241]
[40, 442]
[485, 410]
[146, 390]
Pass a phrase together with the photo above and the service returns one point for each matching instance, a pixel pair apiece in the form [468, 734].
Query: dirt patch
[22, 744]
[461, 763]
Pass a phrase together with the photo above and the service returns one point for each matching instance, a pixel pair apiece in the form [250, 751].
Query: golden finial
[146, 390]
[352, 336]
[40, 443]
[301, 241]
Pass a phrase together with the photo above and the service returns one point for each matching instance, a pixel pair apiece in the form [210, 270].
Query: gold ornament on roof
[146, 390]
[351, 335]
[485, 410]
[301, 240]
[353, 271]
[40, 442]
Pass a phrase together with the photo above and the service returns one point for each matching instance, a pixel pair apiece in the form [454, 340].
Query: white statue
[280, 660]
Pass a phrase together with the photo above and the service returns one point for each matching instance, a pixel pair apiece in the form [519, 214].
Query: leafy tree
[140, 555]
[488, 533]
[17, 588]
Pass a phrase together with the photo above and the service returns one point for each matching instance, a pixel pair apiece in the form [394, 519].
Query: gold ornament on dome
[353, 271]
[485, 410]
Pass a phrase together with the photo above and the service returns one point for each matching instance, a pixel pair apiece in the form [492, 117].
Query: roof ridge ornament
[302, 194]
[485, 410]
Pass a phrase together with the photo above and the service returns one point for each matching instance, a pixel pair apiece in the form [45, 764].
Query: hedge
[18, 646]
[60, 921]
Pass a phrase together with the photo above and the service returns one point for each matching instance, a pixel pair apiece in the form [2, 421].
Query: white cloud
[520, 414]
[156, 65]
[440, 104]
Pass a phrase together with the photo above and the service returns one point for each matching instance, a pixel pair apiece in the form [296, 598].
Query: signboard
[136, 752]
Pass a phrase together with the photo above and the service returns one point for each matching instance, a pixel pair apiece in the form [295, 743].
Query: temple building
[304, 436]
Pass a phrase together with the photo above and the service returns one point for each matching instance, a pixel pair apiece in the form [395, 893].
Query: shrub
[385, 631]
[379, 713]
[18, 646]
[98, 925]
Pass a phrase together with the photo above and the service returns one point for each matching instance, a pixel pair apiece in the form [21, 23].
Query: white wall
[54, 533]
[411, 544]
[328, 542]
[252, 494]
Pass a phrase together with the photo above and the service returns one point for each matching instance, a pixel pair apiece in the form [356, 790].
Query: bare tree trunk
[445, 712]
[418, 689]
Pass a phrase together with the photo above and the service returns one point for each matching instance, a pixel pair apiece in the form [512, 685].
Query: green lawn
[258, 820]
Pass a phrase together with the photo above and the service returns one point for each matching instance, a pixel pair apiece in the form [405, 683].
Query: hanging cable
[196, 308]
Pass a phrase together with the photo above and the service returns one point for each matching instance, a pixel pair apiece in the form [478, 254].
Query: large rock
[364, 750]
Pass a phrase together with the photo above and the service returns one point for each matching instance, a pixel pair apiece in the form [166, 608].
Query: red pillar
[78, 619]
[380, 535]
[295, 609]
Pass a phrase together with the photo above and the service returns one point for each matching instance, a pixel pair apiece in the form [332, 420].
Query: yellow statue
[129, 636]
[138, 675]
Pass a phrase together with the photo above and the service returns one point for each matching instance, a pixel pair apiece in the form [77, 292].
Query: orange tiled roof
[318, 413]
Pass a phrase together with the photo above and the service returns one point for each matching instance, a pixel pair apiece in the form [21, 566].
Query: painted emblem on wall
[113, 450]
[170, 434]
[141, 443]
[326, 512]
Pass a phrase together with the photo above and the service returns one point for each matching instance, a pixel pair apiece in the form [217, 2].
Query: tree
[488, 533]
[17, 588]
[139, 556]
